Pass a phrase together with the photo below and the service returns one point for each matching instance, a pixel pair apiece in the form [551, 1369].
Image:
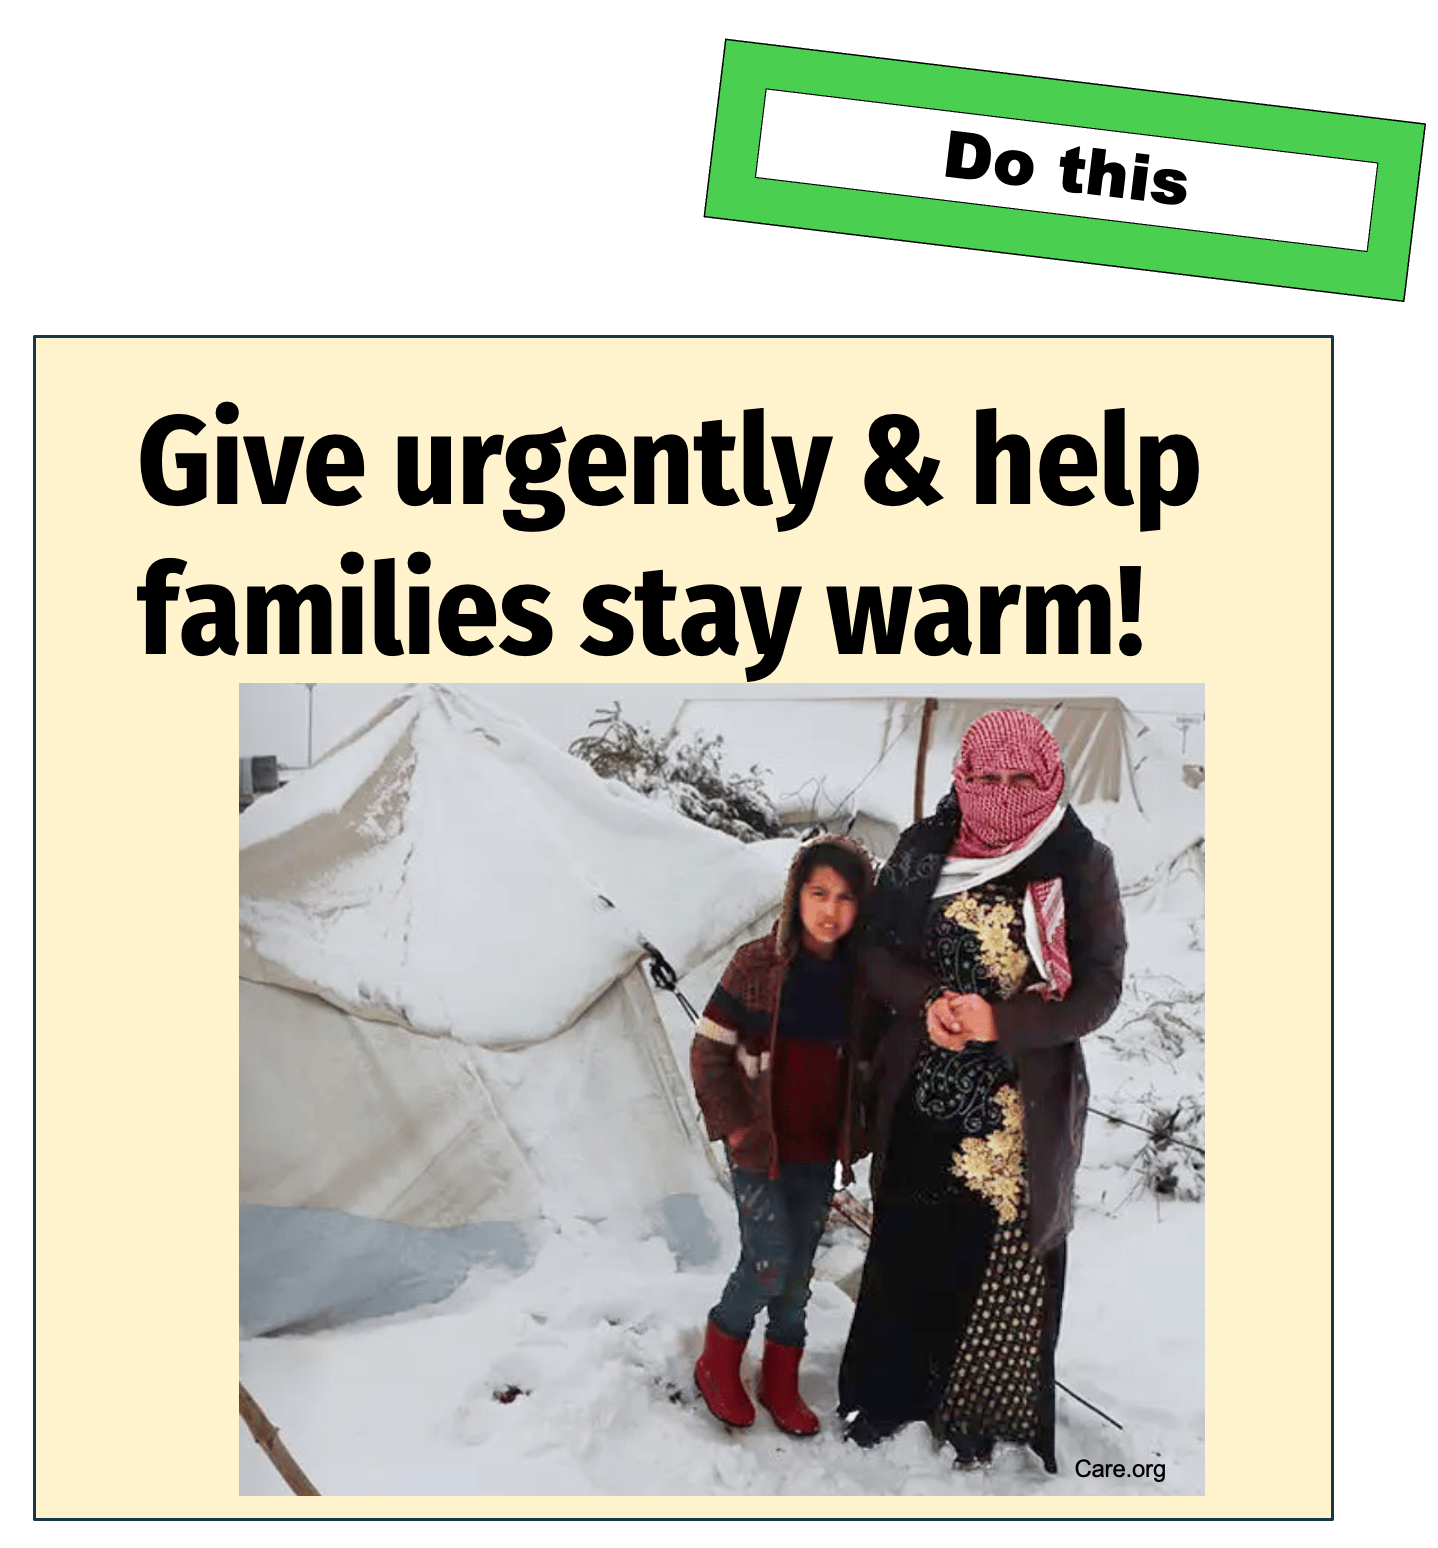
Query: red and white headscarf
[1004, 824]
[998, 818]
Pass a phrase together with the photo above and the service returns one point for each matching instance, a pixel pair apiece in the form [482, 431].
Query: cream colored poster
[737, 521]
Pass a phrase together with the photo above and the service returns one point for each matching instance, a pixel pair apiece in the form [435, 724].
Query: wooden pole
[267, 1437]
[930, 705]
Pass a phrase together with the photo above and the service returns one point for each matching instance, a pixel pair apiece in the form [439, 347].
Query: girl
[774, 1064]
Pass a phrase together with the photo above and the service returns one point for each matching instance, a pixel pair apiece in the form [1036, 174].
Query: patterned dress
[957, 1316]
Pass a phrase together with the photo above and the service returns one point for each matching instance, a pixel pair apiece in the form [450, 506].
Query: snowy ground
[574, 1376]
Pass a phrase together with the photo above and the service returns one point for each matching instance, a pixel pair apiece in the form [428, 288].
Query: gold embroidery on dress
[994, 1165]
[994, 1384]
[993, 924]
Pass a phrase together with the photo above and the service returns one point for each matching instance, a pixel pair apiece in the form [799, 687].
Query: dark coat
[732, 1056]
[1040, 1036]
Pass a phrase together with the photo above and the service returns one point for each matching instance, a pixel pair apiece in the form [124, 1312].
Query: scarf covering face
[998, 818]
[1001, 822]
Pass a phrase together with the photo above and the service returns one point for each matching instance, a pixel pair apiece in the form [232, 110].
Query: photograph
[688, 1091]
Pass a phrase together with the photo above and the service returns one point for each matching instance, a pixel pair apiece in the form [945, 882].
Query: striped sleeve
[720, 1086]
[727, 1013]
[719, 1083]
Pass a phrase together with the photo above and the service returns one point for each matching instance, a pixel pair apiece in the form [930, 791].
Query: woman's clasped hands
[954, 1020]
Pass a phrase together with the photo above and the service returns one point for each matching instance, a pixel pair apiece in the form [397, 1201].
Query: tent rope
[1167, 1139]
[1094, 1406]
[661, 970]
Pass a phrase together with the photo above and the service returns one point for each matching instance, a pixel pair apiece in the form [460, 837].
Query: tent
[877, 752]
[446, 1034]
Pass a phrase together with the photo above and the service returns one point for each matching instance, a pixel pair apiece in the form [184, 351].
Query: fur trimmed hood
[786, 927]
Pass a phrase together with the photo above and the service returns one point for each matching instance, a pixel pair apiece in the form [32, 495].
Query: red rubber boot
[779, 1390]
[717, 1377]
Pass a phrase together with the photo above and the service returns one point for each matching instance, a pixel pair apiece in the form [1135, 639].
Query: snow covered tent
[446, 1031]
[869, 751]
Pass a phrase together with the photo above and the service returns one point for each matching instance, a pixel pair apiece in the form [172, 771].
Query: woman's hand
[942, 1022]
[975, 1018]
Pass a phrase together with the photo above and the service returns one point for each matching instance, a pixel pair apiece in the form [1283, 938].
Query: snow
[573, 1376]
[600, 1345]
[451, 847]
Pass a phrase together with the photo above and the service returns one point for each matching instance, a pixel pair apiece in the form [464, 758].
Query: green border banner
[736, 192]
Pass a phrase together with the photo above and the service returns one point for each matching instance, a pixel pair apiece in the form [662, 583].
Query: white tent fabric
[446, 1031]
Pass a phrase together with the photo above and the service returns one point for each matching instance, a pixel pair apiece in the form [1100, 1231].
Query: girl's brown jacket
[732, 1056]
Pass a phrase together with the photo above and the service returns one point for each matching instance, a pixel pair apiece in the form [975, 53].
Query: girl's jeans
[780, 1222]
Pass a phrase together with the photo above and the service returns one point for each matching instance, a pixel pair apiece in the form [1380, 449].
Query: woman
[1005, 897]
[774, 1064]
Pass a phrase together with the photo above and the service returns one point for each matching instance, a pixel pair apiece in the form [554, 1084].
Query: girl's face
[827, 910]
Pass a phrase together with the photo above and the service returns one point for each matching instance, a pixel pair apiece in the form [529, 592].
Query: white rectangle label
[1013, 163]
